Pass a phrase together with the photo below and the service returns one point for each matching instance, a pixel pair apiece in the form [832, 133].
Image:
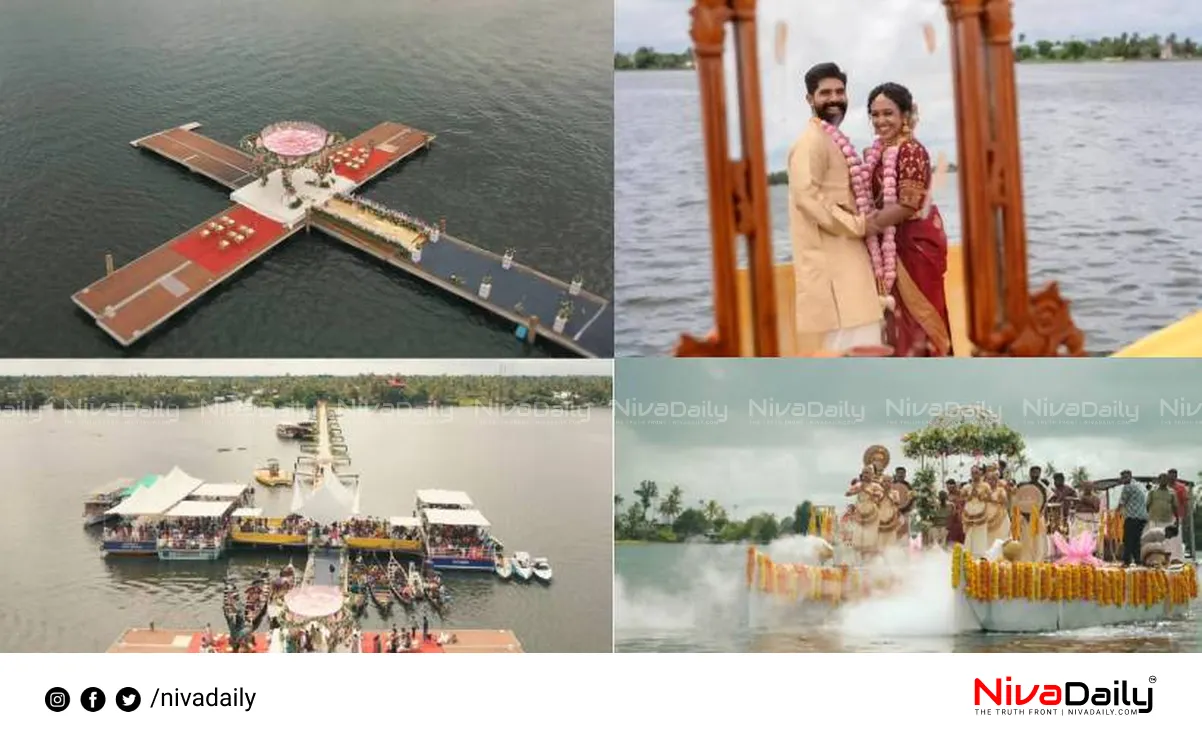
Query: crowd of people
[467, 541]
[194, 533]
[1156, 516]
[292, 524]
[379, 529]
[137, 531]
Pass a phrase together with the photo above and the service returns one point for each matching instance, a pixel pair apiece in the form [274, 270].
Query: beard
[832, 113]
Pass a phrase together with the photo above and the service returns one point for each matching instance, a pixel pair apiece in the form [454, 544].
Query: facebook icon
[92, 699]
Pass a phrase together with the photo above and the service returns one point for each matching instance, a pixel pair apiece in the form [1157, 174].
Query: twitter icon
[128, 699]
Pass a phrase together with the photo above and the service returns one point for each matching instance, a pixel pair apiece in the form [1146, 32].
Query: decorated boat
[231, 607]
[248, 528]
[1005, 595]
[302, 431]
[256, 600]
[272, 476]
[99, 500]
[399, 582]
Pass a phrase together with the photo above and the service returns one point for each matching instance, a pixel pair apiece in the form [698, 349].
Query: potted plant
[576, 285]
[485, 287]
[507, 259]
[562, 317]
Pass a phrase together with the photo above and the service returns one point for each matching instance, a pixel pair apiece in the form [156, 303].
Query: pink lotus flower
[1079, 551]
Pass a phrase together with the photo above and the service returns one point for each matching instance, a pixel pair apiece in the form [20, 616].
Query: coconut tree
[670, 506]
[646, 492]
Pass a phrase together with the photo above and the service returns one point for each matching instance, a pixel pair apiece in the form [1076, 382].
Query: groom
[837, 307]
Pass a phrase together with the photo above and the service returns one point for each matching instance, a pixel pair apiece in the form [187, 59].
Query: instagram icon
[57, 699]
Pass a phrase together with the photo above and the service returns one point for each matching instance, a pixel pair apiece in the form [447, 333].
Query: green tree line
[646, 58]
[1126, 46]
[652, 516]
[363, 390]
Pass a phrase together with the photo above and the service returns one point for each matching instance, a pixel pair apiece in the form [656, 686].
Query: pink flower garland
[883, 252]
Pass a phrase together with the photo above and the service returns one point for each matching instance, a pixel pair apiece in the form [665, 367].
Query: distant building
[1166, 50]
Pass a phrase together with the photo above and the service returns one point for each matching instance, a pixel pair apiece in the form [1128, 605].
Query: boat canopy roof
[159, 497]
[404, 521]
[455, 517]
[247, 513]
[200, 509]
[443, 499]
[223, 490]
[120, 483]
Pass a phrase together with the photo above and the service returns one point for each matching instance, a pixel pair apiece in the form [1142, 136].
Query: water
[544, 485]
[519, 94]
[691, 598]
[1110, 214]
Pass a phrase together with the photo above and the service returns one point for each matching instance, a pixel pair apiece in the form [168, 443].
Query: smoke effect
[709, 607]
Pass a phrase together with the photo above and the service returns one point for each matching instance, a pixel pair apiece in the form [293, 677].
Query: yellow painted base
[1182, 339]
[790, 345]
[383, 545]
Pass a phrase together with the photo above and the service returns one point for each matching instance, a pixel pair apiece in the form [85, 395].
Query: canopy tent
[443, 499]
[247, 513]
[159, 497]
[328, 503]
[199, 509]
[221, 490]
[404, 522]
[456, 517]
[145, 482]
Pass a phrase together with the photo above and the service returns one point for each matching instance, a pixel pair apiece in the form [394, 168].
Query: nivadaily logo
[1071, 698]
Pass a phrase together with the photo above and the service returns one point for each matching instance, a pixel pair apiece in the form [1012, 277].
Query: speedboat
[521, 565]
[542, 569]
[504, 568]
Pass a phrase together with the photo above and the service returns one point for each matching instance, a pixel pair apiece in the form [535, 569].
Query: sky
[800, 434]
[664, 24]
[301, 367]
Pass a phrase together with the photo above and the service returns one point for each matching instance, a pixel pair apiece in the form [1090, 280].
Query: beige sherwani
[835, 286]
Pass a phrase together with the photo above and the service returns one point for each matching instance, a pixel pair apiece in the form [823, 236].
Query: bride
[910, 258]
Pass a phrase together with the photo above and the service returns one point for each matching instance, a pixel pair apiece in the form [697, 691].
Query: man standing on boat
[1185, 512]
[836, 303]
[1134, 504]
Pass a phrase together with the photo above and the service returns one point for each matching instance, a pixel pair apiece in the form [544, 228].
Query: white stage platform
[272, 202]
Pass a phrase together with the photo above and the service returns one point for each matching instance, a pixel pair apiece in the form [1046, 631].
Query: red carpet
[207, 251]
[223, 643]
[369, 644]
[377, 160]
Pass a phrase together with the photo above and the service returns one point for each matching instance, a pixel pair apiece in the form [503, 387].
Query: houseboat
[248, 528]
[196, 530]
[302, 431]
[98, 501]
[398, 534]
[456, 537]
[140, 515]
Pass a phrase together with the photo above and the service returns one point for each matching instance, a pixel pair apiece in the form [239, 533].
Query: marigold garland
[1106, 586]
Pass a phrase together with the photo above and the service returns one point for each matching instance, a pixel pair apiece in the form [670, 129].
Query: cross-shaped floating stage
[269, 207]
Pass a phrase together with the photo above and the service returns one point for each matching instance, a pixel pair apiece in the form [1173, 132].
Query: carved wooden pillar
[1003, 318]
[738, 189]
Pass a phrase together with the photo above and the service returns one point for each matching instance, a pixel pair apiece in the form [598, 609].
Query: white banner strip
[555, 697]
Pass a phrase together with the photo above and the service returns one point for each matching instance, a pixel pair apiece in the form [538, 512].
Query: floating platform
[140, 296]
[142, 640]
[517, 294]
[130, 302]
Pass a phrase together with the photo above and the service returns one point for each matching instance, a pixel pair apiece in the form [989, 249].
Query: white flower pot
[485, 290]
[506, 262]
[574, 289]
[560, 323]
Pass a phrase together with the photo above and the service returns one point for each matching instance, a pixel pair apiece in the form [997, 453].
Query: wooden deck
[230, 167]
[141, 295]
[517, 293]
[141, 640]
[392, 142]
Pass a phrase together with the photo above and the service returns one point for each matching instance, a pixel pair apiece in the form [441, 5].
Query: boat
[399, 582]
[231, 606]
[381, 596]
[504, 569]
[272, 476]
[433, 589]
[450, 511]
[256, 600]
[542, 569]
[521, 565]
[296, 431]
[99, 500]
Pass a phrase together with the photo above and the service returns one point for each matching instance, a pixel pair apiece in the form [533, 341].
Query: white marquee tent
[159, 497]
